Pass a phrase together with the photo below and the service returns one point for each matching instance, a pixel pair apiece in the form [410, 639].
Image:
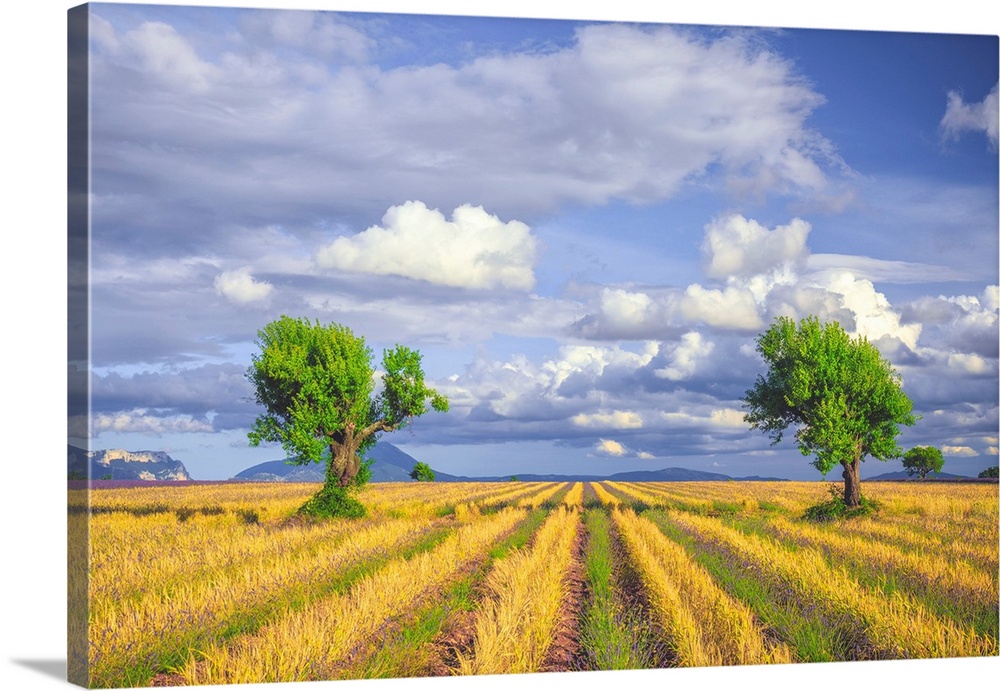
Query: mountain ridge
[119, 464]
[661, 475]
[904, 475]
[390, 464]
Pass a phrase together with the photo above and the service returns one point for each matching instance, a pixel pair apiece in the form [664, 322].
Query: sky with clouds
[582, 225]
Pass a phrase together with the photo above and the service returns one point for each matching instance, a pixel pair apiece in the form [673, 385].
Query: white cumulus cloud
[874, 316]
[618, 419]
[239, 286]
[685, 356]
[732, 307]
[737, 246]
[958, 451]
[610, 447]
[474, 249]
[962, 117]
[625, 309]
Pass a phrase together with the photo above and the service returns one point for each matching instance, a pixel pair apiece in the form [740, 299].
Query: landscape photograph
[413, 346]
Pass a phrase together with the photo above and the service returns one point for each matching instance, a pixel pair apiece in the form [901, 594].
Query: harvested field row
[314, 642]
[516, 621]
[617, 631]
[506, 577]
[151, 629]
[879, 626]
[949, 586]
[704, 625]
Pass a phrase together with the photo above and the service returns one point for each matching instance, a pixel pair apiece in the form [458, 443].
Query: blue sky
[582, 225]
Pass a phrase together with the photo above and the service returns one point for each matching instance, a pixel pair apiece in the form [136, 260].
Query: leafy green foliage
[312, 380]
[921, 460]
[422, 472]
[836, 508]
[843, 397]
[404, 392]
[334, 501]
[318, 389]
[992, 471]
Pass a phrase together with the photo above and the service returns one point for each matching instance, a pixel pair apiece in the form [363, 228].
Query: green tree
[992, 471]
[921, 460]
[422, 472]
[317, 386]
[845, 399]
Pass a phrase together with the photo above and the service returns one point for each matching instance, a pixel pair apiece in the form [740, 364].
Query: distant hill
[903, 475]
[662, 475]
[390, 464]
[394, 465]
[118, 464]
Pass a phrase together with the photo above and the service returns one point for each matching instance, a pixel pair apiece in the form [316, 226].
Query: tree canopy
[422, 472]
[844, 399]
[921, 460]
[318, 388]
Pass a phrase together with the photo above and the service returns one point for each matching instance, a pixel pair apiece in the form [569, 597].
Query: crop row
[520, 577]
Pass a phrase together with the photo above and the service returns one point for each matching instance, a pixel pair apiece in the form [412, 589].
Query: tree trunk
[344, 463]
[852, 483]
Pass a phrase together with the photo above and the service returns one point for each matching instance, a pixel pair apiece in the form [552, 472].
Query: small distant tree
[422, 472]
[514, 478]
[844, 398]
[318, 389]
[992, 471]
[921, 460]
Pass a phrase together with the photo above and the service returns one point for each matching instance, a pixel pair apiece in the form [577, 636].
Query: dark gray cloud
[217, 392]
[237, 163]
[191, 140]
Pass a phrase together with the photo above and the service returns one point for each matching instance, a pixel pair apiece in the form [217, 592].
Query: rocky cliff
[118, 464]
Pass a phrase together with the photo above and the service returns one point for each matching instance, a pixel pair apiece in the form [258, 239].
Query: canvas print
[413, 346]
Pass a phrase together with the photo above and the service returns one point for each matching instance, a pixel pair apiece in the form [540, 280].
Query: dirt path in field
[417, 664]
[455, 639]
[633, 601]
[165, 679]
[564, 653]
[459, 630]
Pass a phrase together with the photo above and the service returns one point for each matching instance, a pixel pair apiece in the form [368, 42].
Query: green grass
[836, 509]
[614, 637]
[556, 499]
[519, 538]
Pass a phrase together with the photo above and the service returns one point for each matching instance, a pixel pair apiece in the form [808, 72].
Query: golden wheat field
[220, 583]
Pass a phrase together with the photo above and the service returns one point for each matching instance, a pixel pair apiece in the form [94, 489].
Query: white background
[33, 336]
